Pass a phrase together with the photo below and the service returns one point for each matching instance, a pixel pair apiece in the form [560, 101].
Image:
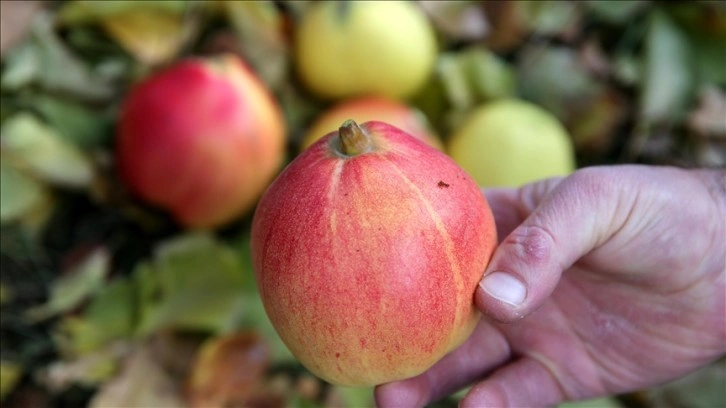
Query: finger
[524, 383]
[485, 350]
[568, 219]
[505, 209]
[511, 207]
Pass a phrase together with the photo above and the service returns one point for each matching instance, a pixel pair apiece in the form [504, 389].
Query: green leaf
[75, 286]
[22, 67]
[10, 374]
[550, 17]
[91, 369]
[488, 75]
[60, 70]
[193, 283]
[555, 78]
[109, 316]
[710, 59]
[616, 12]
[668, 74]
[593, 403]
[19, 194]
[40, 149]
[77, 124]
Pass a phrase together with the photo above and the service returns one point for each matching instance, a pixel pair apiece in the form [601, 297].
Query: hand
[607, 281]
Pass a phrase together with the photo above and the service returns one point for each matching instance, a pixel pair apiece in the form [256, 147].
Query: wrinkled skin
[624, 269]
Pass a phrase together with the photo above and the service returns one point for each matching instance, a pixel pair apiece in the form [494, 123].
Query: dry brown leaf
[458, 20]
[141, 383]
[228, 370]
[709, 118]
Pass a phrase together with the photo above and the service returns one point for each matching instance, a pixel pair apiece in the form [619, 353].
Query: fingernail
[504, 287]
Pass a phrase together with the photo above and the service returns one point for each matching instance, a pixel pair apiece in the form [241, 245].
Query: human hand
[622, 285]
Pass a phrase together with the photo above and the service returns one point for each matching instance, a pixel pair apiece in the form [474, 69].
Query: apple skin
[365, 109]
[201, 139]
[357, 48]
[367, 264]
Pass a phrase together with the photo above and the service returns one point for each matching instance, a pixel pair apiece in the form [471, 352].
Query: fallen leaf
[10, 375]
[458, 20]
[21, 66]
[59, 70]
[15, 19]
[109, 316]
[20, 195]
[153, 36]
[594, 130]
[228, 370]
[710, 60]
[709, 117]
[194, 282]
[513, 21]
[609, 402]
[260, 28]
[466, 79]
[616, 12]
[142, 382]
[88, 11]
[556, 78]
[90, 370]
[627, 69]
[77, 124]
[39, 149]
[667, 77]
[176, 351]
[555, 18]
[74, 286]
[508, 27]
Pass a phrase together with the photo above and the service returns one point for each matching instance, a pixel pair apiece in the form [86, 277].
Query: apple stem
[353, 139]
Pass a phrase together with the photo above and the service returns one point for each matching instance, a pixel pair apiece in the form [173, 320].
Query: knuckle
[533, 244]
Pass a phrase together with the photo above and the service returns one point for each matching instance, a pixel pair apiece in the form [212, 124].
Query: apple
[362, 48]
[511, 142]
[201, 139]
[365, 109]
[367, 250]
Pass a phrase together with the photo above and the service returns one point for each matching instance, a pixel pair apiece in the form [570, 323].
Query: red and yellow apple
[365, 109]
[201, 139]
[367, 250]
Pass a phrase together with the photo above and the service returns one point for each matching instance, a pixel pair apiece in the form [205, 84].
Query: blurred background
[109, 298]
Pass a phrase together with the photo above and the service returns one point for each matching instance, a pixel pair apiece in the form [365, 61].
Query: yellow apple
[510, 143]
[355, 48]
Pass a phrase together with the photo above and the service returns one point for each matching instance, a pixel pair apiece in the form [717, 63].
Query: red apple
[398, 114]
[202, 139]
[367, 250]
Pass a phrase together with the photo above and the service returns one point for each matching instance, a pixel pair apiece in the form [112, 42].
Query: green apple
[510, 143]
[363, 48]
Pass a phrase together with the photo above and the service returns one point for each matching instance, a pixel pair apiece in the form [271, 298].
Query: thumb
[567, 220]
